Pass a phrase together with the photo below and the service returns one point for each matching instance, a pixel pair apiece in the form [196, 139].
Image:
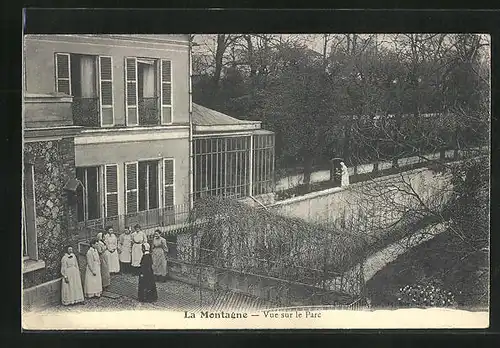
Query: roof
[205, 119]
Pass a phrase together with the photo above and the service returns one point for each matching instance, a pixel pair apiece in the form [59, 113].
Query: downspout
[191, 187]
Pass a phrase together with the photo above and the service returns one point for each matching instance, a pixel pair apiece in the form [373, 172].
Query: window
[143, 185]
[221, 166]
[29, 214]
[263, 164]
[111, 189]
[148, 185]
[148, 91]
[88, 197]
[89, 80]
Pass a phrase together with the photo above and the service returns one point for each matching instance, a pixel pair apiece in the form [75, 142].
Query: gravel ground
[172, 295]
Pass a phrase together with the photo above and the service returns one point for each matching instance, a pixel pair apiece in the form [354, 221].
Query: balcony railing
[160, 217]
[149, 113]
[86, 112]
[148, 220]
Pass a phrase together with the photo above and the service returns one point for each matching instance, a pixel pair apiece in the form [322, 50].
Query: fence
[293, 185]
[168, 218]
[281, 284]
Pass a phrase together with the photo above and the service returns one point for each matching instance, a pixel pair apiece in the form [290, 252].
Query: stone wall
[273, 290]
[376, 204]
[55, 209]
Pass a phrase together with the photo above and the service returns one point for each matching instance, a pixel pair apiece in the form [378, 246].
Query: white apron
[125, 248]
[71, 286]
[113, 261]
[93, 283]
[138, 238]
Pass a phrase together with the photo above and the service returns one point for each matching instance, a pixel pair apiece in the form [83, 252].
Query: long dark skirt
[147, 285]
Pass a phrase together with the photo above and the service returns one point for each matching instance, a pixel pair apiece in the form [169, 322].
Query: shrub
[425, 296]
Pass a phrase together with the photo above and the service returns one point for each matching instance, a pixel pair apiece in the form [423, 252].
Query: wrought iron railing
[149, 113]
[148, 219]
[160, 217]
[86, 112]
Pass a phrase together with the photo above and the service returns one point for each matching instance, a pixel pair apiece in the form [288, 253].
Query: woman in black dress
[147, 285]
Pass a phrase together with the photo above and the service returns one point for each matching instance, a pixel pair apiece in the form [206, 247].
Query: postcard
[256, 181]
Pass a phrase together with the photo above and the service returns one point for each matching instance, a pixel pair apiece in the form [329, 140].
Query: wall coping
[47, 98]
[329, 191]
[32, 265]
[50, 282]
[55, 131]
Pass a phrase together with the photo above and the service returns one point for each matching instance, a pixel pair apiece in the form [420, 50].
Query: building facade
[111, 137]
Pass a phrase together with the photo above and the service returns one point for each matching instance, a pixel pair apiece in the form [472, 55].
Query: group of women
[131, 253]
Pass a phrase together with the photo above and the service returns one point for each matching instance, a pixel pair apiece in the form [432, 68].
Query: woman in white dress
[138, 239]
[112, 244]
[160, 249]
[71, 287]
[125, 250]
[104, 256]
[93, 281]
[345, 175]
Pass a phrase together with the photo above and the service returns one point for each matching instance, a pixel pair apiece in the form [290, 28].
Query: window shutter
[63, 76]
[111, 183]
[131, 186]
[131, 91]
[168, 182]
[166, 91]
[106, 88]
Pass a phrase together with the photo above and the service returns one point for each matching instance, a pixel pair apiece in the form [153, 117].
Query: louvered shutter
[166, 91]
[131, 186]
[131, 91]
[106, 89]
[63, 76]
[168, 182]
[111, 183]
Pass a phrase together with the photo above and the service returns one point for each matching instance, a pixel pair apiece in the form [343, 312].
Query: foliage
[425, 296]
[369, 93]
[258, 241]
